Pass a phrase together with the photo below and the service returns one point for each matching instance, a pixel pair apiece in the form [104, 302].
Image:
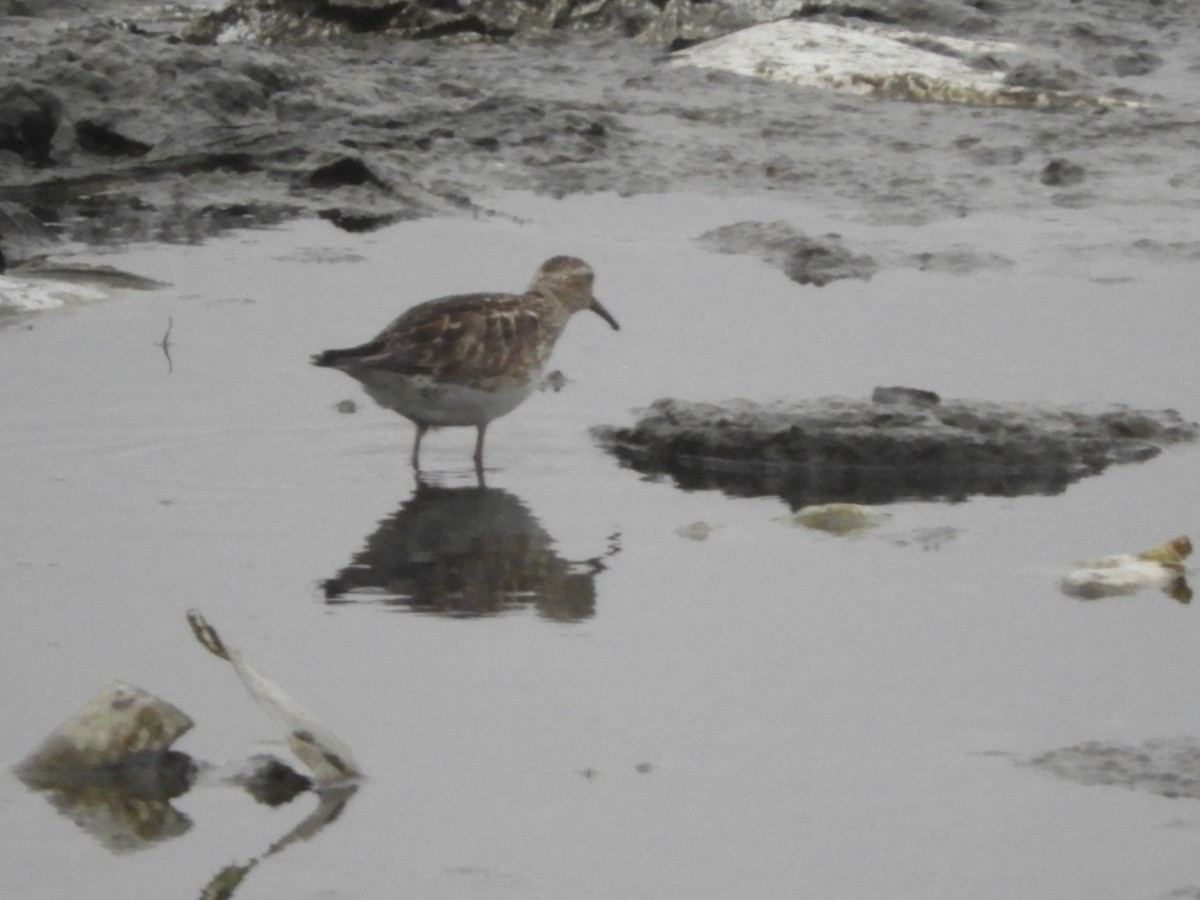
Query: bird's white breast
[420, 398]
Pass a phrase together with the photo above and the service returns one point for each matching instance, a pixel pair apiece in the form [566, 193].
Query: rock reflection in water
[467, 551]
[125, 807]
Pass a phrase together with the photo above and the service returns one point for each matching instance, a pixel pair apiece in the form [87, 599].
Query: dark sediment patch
[1062, 173]
[958, 261]
[900, 444]
[803, 259]
[1168, 768]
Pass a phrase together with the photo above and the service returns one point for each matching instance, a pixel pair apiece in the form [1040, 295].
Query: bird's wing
[469, 337]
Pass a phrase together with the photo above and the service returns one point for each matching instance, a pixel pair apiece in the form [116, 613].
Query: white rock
[871, 60]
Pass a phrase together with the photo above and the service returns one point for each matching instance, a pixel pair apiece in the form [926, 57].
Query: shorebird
[469, 359]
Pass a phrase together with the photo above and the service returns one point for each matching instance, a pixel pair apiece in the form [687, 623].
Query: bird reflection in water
[466, 552]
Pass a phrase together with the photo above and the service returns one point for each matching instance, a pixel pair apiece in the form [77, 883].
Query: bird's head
[569, 281]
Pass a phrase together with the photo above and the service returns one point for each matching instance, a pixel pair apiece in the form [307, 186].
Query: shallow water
[769, 712]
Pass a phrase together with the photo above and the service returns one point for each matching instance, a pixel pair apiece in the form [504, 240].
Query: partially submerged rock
[839, 518]
[22, 295]
[900, 444]
[83, 274]
[1127, 573]
[120, 724]
[38, 284]
[110, 767]
[695, 531]
[112, 770]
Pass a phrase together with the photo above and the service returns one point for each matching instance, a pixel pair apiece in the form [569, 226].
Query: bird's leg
[481, 430]
[416, 454]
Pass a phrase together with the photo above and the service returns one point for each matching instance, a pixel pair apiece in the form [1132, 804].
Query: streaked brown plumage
[469, 359]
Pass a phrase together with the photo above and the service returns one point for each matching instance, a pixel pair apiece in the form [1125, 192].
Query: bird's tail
[336, 358]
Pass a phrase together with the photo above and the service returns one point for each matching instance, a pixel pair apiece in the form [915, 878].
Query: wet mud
[366, 125]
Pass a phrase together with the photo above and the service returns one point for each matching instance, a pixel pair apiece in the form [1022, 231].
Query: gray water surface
[769, 712]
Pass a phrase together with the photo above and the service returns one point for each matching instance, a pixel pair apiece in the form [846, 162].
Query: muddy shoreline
[367, 127]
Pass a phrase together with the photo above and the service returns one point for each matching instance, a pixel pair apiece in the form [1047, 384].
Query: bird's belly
[429, 402]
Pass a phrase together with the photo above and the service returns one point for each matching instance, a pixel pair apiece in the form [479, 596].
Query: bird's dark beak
[604, 314]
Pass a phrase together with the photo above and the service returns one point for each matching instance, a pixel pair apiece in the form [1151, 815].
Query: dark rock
[805, 260]
[29, 118]
[101, 140]
[344, 171]
[469, 24]
[355, 221]
[904, 445]
[1062, 173]
[270, 781]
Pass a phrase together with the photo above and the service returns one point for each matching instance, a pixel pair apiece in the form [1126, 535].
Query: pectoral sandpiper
[469, 359]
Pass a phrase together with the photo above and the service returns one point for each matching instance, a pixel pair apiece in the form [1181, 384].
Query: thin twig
[165, 343]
